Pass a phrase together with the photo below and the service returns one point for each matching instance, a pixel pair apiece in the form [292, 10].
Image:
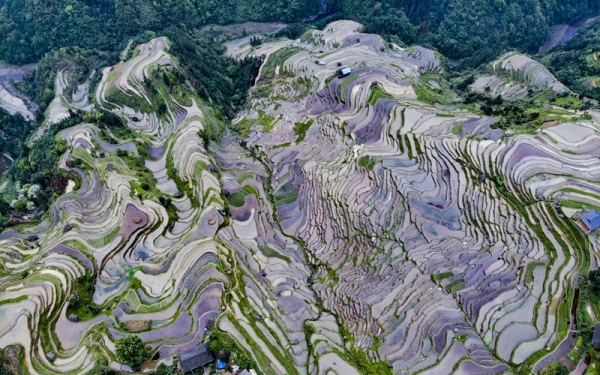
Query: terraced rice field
[438, 253]
[516, 74]
[370, 227]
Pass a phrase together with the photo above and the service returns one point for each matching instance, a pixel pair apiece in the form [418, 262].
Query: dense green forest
[14, 130]
[222, 81]
[33, 172]
[473, 31]
[29, 29]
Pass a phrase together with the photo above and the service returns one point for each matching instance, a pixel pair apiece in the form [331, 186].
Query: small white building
[343, 72]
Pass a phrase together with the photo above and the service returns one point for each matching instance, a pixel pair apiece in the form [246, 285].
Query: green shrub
[131, 350]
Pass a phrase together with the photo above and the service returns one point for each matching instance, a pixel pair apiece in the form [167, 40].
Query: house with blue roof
[590, 221]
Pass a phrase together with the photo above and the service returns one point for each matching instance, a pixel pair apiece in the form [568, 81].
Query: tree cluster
[13, 133]
[575, 63]
[470, 31]
[594, 284]
[74, 62]
[224, 347]
[255, 41]
[35, 179]
[30, 28]
[131, 350]
[509, 112]
[220, 80]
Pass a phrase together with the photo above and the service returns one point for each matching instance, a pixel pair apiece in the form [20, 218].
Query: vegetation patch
[80, 300]
[428, 95]
[223, 346]
[300, 128]
[441, 276]
[519, 115]
[367, 162]
[269, 252]
[130, 99]
[568, 102]
[367, 366]
[283, 145]
[268, 78]
[345, 84]
[277, 59]
[376, 94]
[457, 129]
[285, 195]
[13, 300]
[238, 199]
[243, 126]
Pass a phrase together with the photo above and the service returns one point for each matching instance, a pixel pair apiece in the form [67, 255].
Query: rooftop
[342, 72]
[596, 337]
[591, 220]
[194, 358]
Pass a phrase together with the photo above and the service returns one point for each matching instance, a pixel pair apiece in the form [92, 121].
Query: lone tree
[131, 350]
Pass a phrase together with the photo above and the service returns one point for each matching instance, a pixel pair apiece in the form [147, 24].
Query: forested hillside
[474, 31]
[576, 63]
[29, 29]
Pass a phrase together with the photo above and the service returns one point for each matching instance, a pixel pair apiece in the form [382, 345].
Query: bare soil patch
[549, 124]
[137, 325]
[11, 359]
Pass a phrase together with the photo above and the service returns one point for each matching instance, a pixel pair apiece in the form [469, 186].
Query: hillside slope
[363, 224]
